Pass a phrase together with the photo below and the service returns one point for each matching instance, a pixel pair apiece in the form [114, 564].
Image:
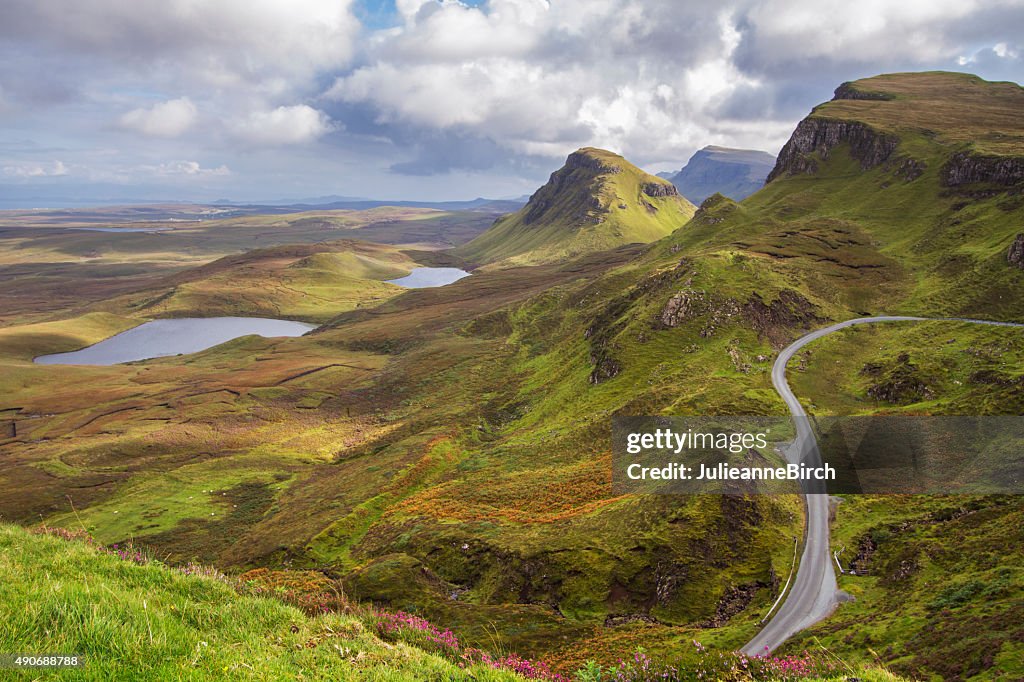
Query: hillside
[596, 201]
[128, 616]
[132, 619]
[735, 173]
[902, 194]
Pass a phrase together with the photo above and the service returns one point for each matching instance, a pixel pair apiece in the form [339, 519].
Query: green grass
[25, 342]
[146, 621]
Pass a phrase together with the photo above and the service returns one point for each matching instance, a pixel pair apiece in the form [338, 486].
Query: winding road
[815, 593]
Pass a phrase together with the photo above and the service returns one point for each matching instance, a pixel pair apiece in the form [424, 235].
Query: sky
[265, 100]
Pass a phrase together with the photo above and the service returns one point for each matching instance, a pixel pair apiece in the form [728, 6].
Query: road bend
[815, 593]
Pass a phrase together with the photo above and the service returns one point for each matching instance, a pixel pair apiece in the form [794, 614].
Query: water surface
[422, 278]
[161, 338]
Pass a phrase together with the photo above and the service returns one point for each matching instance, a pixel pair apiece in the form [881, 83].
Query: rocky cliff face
[850, 91]
[867, 145]
[964, 168]
[1015, 255]
[596, 201]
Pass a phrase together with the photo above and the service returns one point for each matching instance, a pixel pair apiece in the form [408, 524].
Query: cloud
[284, 125]
[542, 79]
[653, 80]
[186, 168]
[165, 119]
[37, 170]
[262, 44]
[495, 90]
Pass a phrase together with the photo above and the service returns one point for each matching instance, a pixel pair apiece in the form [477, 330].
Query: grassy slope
[440, 441]
[596, 202]
[147, 622]
[853, 242]
[313, 283]
[131, 620]
[861, 242]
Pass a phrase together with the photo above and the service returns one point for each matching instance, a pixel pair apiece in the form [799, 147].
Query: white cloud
[486, 87]
[165, 119]
[37, 170]
[543, 78]
[867, 30]
[284, 125]
[187, 168]
[1003, 51]
[263, 45]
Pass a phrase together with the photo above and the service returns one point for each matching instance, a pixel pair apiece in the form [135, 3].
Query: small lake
[422, 278]
[162, 338]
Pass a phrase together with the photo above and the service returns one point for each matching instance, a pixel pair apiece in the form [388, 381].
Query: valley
[442, 446]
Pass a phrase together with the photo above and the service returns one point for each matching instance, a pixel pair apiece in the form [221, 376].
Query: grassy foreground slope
[596, 201]
[130, 617]
[136, 622]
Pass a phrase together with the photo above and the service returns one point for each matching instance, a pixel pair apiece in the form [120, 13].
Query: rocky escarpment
[735, 173]
[659, 189]
[1015, 254]
[850, 91]
[964, 168]
[815, 135]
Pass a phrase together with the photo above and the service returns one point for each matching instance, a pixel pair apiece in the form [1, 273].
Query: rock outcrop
[595, 202]
[658, 189]
[1015, 254]
[773, 321]
[964, 168]
[821, 135]
[850, 91]
[899, 383]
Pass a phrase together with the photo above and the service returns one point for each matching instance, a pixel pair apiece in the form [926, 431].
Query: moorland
[446, 451]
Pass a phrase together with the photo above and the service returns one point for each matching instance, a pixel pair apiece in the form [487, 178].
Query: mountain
[902, 192]
[596, 201]
[735, 173]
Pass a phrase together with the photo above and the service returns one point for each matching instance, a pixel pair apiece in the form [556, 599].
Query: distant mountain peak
[736, 173]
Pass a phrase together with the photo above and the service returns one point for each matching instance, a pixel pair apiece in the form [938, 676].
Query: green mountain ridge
[596, 201]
